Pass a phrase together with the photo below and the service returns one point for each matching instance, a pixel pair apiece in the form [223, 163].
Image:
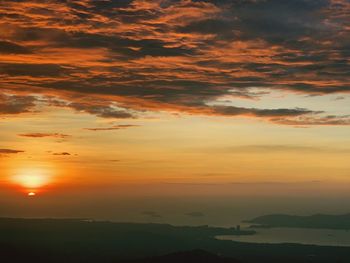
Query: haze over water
[321, 237]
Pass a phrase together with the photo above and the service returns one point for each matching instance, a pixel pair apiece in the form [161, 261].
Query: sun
[31, 194]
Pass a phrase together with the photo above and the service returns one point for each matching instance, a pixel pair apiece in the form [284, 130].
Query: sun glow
[32, 178]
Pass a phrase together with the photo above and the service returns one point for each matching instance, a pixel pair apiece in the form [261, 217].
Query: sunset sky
[107, 99]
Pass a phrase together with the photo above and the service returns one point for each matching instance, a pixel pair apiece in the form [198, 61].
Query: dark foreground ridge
[186, 257]
[55, 240]
[314, 221]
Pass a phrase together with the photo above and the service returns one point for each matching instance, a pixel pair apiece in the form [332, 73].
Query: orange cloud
[116, 59]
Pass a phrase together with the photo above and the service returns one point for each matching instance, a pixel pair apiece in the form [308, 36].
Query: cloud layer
[115, 59]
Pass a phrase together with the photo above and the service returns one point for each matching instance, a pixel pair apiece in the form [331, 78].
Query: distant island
[319, 221]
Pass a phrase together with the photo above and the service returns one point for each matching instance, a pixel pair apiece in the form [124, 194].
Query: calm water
[296, 235]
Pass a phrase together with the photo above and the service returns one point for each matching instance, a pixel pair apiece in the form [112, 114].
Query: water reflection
[296, 235]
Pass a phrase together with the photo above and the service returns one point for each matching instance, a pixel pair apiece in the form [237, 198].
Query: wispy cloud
[14, 104]
[10, 151]
[7, 152]
[45, 135]
[62, 153]
[115, 127]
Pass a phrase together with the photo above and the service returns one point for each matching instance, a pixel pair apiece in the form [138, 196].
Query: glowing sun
[32, 179]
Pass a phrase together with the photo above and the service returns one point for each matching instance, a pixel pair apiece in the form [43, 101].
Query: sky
[108, 105]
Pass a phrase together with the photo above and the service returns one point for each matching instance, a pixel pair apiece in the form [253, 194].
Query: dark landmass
[314, 221]
[55, 240]
[192, 256]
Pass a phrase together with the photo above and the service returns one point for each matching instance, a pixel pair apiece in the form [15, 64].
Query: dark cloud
[44, 135]
[330, 120]
[272, 20]
[115, 127]
[14, 104]
[123, 46]
[7, 47]
[101, 111]
[340, 98]
[30, 69]
[232, 111]
[10, 151]
[62, 153]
